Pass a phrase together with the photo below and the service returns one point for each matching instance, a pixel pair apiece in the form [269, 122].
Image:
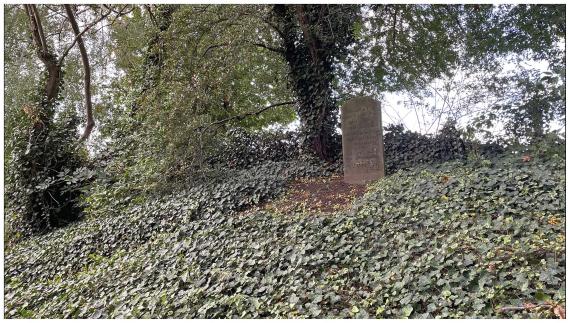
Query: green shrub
[406, 149]
[242, 149]
[402, 149]
[46, 172]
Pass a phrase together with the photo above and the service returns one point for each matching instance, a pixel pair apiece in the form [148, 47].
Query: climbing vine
[311, 47]
[47, 174]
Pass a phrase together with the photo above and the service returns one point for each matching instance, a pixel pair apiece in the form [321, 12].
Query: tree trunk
[311, 75]
[87, 74]
[53, 67]
[154, 57]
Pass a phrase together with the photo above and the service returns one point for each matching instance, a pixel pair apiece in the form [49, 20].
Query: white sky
[396, 109]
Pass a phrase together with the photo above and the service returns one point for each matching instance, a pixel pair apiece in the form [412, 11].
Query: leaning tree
[46, 170]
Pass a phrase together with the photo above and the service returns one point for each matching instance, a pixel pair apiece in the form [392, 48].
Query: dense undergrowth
[126, 227]
[463, 239]
[116, 178]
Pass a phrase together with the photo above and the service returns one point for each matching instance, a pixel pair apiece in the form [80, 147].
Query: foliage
[47, 172]
[405, 149]
[180, 92]
[527, 100]
[464, 241]
[551, 145]
[21, 74]
[534, 30]
[402, 149]
[242, 148]
[125, 224]
[43, 162]
[533, 100]
[474, 62]
[488, 238]
[403, 46]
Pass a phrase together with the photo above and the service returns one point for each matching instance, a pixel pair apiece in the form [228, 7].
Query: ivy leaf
[541, 296]
[407, 311]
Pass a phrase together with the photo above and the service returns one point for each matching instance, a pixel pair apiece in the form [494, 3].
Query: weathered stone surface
[362, 140]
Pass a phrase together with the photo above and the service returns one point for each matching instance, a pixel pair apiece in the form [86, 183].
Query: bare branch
[213, 47]
[273, 49]
[152, 18]
[39, 26]
[79, 34]
[242, 116]
[274, 26]
[120, 12]
[55, 11]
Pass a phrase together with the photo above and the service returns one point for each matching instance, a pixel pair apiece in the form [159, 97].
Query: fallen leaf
[560, 312]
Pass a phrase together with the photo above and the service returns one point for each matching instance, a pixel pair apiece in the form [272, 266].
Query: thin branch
[273, 49]
[111, 22]
[213, 47]
[525, 307]
[395, 17]
[79, 34]
[242, 116]
[56, 12]
[120, 12]
[272, 25]
[152, 18]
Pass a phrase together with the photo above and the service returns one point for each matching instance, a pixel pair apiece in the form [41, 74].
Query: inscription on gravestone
[362, 140]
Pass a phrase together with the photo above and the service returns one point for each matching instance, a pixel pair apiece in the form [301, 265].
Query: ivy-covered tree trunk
[314, 36]
[155, 55]
[43, 196]
[537, 121]
[40, 115]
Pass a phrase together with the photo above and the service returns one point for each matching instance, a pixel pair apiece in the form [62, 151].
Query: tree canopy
[165, 86]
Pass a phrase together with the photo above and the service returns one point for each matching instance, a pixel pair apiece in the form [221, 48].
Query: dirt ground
[320, 195]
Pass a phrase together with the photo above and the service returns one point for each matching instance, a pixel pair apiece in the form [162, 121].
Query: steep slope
[459, 240]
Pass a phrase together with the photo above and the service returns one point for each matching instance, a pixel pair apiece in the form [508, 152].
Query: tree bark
[311, 77]
[154, 57]
[87, 74]
[48, 58]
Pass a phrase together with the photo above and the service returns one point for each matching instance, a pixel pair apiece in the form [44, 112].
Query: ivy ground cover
[458, 240]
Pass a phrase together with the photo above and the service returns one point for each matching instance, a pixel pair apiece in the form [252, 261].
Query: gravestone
[362, 140]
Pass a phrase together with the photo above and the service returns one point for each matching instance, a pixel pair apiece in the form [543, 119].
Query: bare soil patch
[321, 195]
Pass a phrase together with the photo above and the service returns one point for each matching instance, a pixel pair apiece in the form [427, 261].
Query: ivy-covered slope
[461, 240]
[66, 251]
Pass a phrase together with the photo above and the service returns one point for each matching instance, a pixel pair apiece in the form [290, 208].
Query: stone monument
[362, 140]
